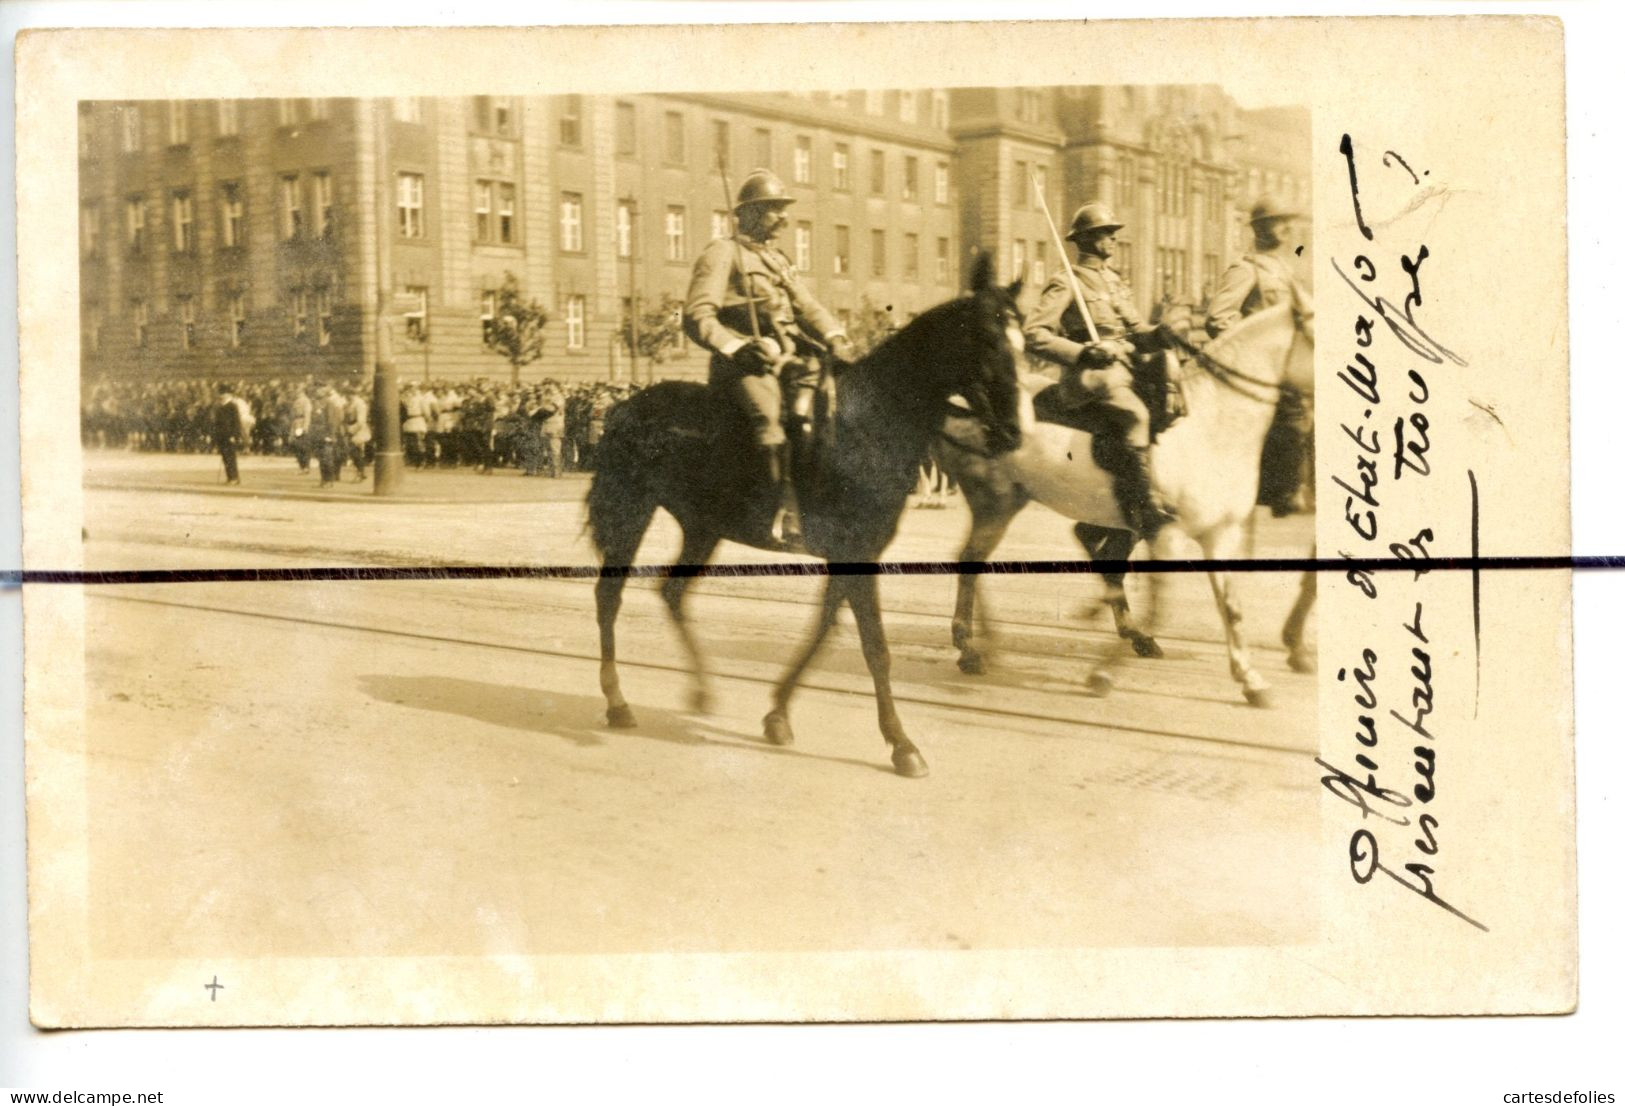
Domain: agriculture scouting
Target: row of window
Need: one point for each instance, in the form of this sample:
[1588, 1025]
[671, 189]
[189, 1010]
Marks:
[1174, 275]
[310, 316]
[1173, 181]
[178, 119]
[494, 114]
[1034, 262]
[878, 101]
[1030, 186]
[233, 220]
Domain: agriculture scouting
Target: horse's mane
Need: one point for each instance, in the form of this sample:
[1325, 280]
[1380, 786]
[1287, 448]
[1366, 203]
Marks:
[1258, 320]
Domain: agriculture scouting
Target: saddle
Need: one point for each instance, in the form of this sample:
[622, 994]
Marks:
[1162, 397]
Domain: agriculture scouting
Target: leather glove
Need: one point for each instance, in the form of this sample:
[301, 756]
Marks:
[757, 356]
[1098, 355]
[842, 348]
[1094, 355]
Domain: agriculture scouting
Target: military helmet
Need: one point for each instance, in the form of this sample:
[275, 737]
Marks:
[1268, 207]
[1093, 217]
[763, 186]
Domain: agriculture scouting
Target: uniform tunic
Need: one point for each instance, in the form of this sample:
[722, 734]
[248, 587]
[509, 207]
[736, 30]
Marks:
[718, 317]
[1055, 332]
[1257, 281]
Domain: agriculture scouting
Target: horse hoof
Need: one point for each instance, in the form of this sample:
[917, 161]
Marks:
[1099, 684]
[972, 664]
[1258, 697]
[1146, 646]
[909, 764]
[776, 728]
[699, 701]
[621, 718]
[1300, 661]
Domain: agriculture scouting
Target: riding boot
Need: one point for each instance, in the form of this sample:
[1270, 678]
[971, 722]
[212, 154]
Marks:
[1132, 485]
[788, 522]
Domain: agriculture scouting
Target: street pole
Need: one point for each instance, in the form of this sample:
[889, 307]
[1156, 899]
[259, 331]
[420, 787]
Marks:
[388, 463]
[632, 283]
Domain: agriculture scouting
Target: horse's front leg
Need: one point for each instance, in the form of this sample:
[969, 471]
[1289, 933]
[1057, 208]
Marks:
[1224, 544]
[985, 534]
[697, 549]
[776, 723]
[864, 595]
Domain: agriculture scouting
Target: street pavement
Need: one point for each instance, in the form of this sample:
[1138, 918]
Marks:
[373, 767]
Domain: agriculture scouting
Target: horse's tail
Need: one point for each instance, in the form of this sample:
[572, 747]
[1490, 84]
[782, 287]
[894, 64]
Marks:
[621, 498]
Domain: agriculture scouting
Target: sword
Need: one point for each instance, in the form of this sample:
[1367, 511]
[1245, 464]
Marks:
[1066, 265]
[739, 253]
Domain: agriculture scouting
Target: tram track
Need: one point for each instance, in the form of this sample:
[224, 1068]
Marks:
[716, 587]
[903, 693]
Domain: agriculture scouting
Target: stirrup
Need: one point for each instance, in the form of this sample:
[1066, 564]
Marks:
[785, 533]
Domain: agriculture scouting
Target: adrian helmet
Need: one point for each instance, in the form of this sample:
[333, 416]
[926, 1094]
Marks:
[1268, 207]
[1093, 217]
[763, 187]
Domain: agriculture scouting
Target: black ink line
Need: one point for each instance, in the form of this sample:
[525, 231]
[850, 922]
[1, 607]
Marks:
[1346, 148]
[1478, 643]
[1476, 564]
[1391, 154]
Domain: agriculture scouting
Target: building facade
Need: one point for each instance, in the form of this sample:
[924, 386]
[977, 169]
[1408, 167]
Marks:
[1181, 165]
[312, 237]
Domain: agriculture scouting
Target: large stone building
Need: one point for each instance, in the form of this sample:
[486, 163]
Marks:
[238, 238]
[1180, 165]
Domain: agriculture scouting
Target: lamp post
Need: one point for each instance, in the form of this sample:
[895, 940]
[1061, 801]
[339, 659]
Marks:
[388, 462]
[632, 285]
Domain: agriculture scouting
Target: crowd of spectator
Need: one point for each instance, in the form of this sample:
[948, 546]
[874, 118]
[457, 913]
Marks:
[480, 424]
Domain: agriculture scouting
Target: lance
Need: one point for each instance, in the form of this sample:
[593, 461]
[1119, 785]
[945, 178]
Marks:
[1066, 265]
[739, 252]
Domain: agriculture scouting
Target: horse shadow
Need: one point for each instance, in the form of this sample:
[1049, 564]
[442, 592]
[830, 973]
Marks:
[577, 719]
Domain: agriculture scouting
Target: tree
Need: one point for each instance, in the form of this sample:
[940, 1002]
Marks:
[870, 325]
[659, 328]
[516, 330]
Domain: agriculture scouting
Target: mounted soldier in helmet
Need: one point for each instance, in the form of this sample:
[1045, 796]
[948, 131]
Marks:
[749, 307]
[1097, 378]
[1261, 279]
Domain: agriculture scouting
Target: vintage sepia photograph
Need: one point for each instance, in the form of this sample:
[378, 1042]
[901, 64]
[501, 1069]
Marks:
[921, 325]
[842, 546]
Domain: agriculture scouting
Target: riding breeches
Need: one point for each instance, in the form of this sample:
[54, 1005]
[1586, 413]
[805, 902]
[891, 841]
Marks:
[760, 396]
[1117, 406]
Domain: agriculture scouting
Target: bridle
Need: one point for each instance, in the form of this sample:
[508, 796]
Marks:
[1232, 377]
[966, 409]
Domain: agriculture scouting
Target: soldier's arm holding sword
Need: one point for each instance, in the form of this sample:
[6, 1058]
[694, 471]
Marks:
[707, 295]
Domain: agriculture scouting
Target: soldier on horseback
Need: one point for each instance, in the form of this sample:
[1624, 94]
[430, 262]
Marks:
[749, 307]
[1096, 371]
[1258, 280]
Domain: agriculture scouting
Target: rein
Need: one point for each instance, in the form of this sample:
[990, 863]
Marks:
[1229, 375]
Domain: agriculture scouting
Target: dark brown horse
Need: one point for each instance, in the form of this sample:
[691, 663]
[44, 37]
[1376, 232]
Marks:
[683, 448]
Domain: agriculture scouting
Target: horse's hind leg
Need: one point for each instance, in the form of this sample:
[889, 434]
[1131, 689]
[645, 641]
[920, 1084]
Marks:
[1108, 544]
[776, 723]
[864, 594]
[1299, 656]
[697, 550]
[608, 594]
[987, 529]
[618, 553]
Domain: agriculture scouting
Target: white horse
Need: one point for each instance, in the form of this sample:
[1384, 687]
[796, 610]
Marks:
[1204, 469]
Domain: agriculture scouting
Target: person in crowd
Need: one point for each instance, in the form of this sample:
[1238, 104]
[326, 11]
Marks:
[299, 411]
[227, 430]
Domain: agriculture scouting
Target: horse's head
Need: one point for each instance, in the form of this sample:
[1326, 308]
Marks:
[983, 358]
